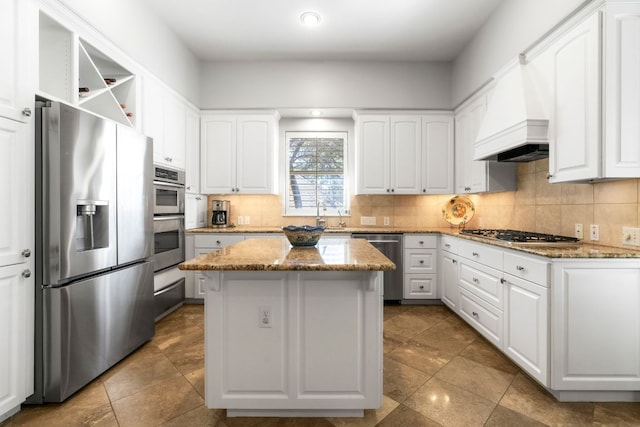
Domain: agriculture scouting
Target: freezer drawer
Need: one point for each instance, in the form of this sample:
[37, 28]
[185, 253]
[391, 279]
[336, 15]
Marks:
[92, 324]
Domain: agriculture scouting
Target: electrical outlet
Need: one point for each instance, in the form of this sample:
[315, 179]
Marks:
[595, 232]
[264, 319]
[367, 220]
[247, 220]
[239, 220]
[579, 233]
[631, 236]
[386, 220]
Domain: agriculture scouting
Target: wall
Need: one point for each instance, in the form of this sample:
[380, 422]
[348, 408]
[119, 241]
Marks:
[133, 27]
[293, 84]
[512, 27]
[535, 206]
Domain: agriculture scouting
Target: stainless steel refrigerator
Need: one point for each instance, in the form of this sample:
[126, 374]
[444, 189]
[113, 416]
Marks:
[94, 231]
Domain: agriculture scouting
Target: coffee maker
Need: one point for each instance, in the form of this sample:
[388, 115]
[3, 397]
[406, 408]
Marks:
[220, 210]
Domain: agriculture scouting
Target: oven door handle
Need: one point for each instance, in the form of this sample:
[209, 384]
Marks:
[168, 217]
[167, 184]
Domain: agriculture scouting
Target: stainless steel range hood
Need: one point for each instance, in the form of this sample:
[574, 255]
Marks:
[514, 128]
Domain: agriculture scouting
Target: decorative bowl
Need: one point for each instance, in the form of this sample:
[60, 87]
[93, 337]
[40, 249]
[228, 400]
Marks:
[305, 235]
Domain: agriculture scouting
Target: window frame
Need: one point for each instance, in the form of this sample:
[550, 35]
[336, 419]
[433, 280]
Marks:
[286, 191]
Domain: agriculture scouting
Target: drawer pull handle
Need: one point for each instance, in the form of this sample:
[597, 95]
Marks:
[421, 261]
[474, 314]
[446, 245]
[218, 242]
[421, 286]
[26, 273]
[475, 254]
[503, 280]
[475, 280]
[454, 261]
[421, 242]
[519, 268]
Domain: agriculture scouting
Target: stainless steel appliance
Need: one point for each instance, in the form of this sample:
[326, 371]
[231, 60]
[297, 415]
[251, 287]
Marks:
[168, 239]
[220, 210]
[391, 246]
[94, 299]
[521, 237]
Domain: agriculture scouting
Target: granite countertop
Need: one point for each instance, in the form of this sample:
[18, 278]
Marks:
[279, 255]
[581, 250]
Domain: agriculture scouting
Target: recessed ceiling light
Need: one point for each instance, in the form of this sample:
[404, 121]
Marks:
[316, 113]
[310, 19]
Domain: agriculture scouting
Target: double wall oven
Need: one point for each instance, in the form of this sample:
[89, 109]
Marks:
[168, 238]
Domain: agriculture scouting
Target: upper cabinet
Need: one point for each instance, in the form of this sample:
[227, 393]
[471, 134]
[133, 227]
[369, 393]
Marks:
[165, 120]
[477, 176]
[74, 71]
[588, 73]
[404, 154]
[17, 42]
[192, 161]
[238, 153]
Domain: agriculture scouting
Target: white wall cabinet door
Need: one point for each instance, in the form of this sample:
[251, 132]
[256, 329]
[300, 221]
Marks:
[255, 154]
[437, 154]
[526, 338]
[18, 43]
[374, 154]
[175, 130]
[573, 65]
[192, 151]
[406, 154]
[153, 116]
[469, 174]
[595, 325]
[218, 154]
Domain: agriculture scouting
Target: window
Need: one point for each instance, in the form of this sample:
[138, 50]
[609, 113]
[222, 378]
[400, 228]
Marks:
[316, 173]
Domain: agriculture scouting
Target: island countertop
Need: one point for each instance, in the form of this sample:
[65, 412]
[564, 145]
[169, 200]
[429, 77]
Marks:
[278, 255]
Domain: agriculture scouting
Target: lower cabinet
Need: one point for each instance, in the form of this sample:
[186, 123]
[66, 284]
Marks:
[420, 259]
[485, 318]
[595, 327]
[449, 272]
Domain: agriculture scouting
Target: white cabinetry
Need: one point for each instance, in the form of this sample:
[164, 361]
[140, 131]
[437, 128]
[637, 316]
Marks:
[17, 45]
[238, 153]
[165, 121]
[595, 326]
[589, 75]
[477, 176]
[404, 154]
[197, 244]
[195, 211]
[449, 271]
[192, 161]
[420, 266]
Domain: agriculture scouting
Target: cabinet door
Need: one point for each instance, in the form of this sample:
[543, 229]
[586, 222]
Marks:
[406, 154]
[153, 117]
[437, 154]
[255, 155]
[16, 173]
[575, 122]
[526, 338]
[372, 145]
[18, 35]
[191, 211]
[17, 338]
[595, 325]
[621, 101]
[218, 154]
[192, 161]
[470, 175]
[449, 274]
[174, 114]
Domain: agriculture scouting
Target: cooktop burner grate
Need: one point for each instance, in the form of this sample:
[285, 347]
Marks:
[520, 236]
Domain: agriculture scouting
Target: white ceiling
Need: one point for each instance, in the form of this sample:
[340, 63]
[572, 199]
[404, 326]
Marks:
[382, 30]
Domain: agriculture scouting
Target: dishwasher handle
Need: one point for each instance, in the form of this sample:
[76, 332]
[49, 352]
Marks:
[383, 241]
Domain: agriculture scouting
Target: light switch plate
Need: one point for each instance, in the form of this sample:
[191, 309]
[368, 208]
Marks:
[595, 232]
[579, 233]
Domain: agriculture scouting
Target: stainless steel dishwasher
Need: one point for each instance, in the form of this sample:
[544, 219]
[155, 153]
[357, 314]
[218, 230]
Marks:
[391, 246]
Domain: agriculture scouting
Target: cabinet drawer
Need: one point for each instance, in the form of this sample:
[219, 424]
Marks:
[449, 244]
[420, 286]
[528, 268]
[420, 260]
[215, 240]
[418, 241]
[483, 281]
[484, 254]
[486, 319]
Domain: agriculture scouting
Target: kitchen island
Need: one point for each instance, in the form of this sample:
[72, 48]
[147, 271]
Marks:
[293, 331]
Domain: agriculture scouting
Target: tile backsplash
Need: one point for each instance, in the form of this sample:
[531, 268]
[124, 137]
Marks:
[535, 206]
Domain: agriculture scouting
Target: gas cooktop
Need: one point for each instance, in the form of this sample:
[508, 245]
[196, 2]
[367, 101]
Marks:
[521, 237]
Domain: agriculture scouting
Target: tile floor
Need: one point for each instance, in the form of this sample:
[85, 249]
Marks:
[437, 371]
